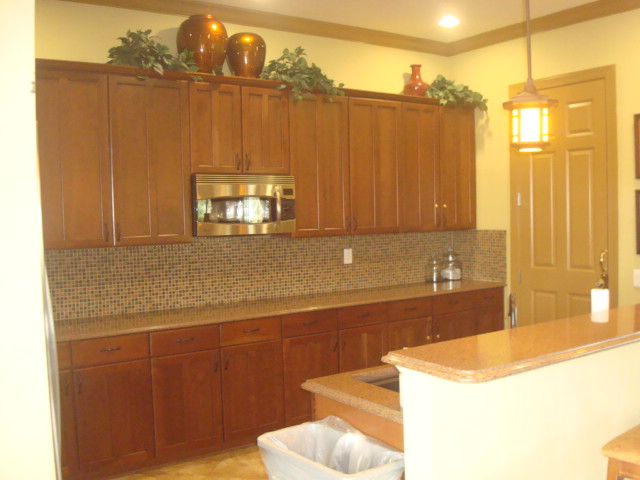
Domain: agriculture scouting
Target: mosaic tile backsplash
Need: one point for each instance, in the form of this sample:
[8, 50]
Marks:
[109, 281]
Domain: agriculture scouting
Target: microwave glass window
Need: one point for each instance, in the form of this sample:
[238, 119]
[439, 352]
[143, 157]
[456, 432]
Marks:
[236, 210]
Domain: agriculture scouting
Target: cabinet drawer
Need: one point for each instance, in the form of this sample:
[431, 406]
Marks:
[100, 351]
[492, 297]
[362, 315]
[184, 340]
[64, 355]
[249, 331]
[407, 309]
[309, 322]
[454, 302]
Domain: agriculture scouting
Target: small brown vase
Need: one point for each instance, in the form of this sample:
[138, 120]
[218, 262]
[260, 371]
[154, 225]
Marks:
[246, 53]
[415, 86]
[206, 38]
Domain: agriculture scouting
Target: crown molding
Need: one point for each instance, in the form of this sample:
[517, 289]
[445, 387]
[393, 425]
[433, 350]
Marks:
[275, 21]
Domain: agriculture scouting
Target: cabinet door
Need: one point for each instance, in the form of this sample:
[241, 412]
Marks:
[187, 402]
[252, 390]
[114, 417]
[265, 131]
[150, 156]
[216, 128]
[409, 333]
[362, 347]
[320, 165]
[306, 357]
[374, 150]
[489, 319]
[73, 149]
[68, 442]
[453, 325]
[457, 169]
[419, 167]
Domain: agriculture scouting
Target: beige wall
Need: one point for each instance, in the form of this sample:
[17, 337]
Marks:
[83, 32]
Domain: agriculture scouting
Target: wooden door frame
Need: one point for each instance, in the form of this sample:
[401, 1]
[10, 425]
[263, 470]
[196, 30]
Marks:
[608, 74]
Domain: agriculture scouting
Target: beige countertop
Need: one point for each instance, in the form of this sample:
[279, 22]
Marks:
[79, 329]
[352, 389]
[498, 354]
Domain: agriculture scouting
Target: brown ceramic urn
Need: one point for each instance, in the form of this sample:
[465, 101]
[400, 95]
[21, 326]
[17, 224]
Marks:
[206, 37]
[246, 53]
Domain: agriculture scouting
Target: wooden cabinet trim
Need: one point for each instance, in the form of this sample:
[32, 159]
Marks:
[250, 331]
[306, 323]
[361, 315]
[106, 350]
[407, 309]
[184, 340]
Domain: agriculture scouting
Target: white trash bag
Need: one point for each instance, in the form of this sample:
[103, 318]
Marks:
[326, 450]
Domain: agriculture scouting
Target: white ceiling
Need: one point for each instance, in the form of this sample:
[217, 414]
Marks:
[415, 18]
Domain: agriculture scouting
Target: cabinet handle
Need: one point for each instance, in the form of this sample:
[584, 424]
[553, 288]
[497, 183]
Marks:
[185, 340]
[118, 231]
[344, 344]
[252, 330]
[335, 347]
[410, 309]
[106, 233]
[489, 297]
[309, 323]
[79, 387]
[247, 161]
[348, 224]
[355, 223]
[110, 349]
[444, 215]
[67, 388]
[238, 163]
[215, 369]
[453, 302]
[363, 315]
[226, 364]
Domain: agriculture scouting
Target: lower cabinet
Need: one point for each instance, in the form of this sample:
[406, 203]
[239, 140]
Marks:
[252, 390]
[114, 418]
[362, 347]
[409, 333]
[187, 403]
[68, 443]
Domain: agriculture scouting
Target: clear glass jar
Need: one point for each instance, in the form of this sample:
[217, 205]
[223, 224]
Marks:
[434, 267]
[451, 266]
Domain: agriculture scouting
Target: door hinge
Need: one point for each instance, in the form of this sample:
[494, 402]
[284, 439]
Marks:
[518, 199]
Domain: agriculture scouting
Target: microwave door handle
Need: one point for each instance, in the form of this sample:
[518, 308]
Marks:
[278, 206]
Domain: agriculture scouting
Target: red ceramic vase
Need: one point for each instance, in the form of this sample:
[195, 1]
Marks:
[415, 86]
[246, 53]
[206, 38]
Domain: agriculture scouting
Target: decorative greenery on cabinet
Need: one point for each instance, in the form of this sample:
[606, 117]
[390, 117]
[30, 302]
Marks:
[455, 94]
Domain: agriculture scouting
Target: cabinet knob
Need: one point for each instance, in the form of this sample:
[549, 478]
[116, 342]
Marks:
[238, 162]
[247, 161]
[106, 233]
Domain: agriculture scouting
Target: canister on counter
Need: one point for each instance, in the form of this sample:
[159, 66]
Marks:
[434, 268]
[451, 266]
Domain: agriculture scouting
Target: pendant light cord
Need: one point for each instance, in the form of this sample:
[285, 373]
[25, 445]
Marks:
[529, 77]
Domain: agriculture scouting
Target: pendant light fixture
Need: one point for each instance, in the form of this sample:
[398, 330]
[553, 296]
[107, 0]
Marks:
[529, 110]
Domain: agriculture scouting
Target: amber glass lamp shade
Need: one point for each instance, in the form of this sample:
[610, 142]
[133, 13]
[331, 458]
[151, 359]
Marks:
[529, 119]
[245, 54]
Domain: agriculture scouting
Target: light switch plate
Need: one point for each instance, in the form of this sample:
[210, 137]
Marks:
[636, 278]
[347, 256]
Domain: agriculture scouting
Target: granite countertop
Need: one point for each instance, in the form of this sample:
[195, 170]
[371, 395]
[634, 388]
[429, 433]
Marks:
[351, 389]
[79, 329]
[483, 358]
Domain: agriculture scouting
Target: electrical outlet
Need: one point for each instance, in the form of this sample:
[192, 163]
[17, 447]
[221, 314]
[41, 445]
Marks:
[636, 278]
[347, 256]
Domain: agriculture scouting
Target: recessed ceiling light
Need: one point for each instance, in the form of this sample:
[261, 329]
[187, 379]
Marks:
[449, 21]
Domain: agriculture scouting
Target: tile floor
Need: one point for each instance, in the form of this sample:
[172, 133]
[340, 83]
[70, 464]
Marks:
[240, 464]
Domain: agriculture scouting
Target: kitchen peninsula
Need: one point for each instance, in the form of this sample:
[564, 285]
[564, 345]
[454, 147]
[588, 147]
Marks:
[529, 403]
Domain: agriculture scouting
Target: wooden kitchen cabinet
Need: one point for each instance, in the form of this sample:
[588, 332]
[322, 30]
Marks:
[238, 129]
[73, 148]
[409, 323]
[420, 167]
[310, 352]
[187, 396]
[114, 417]
[150, 157]
[457, 185]
[320, 164]
[374, 152]
[362, 347]
[252, 390]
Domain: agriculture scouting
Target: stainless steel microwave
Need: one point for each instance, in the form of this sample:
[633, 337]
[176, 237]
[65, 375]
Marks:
[243, 204]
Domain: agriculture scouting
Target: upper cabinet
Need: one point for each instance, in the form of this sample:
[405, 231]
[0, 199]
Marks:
[150, 159]
[374, 155]
[239, 129]
[114, 159]
[72, 112]
[320, 164]
[457, 183]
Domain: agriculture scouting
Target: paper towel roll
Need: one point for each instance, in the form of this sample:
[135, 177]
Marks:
[599, 299]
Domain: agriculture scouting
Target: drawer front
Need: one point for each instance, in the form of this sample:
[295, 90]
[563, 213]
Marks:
[185, 340]
[309, 322]
[454, 302]
[407, 309]
[249, 331]
[361, 315]
[64, 355]
[100, 351]
[492, 297]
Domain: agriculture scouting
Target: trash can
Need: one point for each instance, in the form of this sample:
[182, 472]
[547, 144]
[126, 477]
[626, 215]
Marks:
[328, 449]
